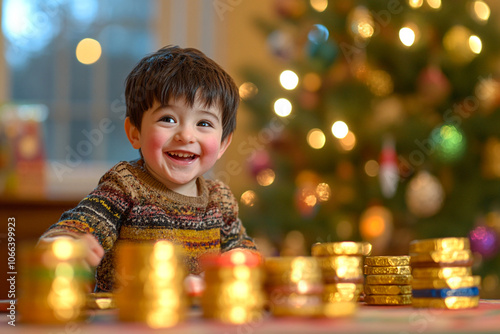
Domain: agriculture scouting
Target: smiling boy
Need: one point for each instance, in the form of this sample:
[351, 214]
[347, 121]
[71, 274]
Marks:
[181, 114]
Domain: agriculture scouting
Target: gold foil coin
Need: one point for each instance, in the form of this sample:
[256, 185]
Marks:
[387, 261]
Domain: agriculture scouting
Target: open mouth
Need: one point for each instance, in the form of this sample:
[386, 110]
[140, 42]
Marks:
[183, 156]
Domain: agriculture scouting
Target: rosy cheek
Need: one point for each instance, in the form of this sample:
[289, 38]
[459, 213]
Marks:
[212, 146]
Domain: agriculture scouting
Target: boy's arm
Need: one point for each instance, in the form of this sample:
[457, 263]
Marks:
[98, 214]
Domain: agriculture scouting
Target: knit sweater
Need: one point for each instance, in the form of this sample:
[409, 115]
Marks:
[131, 205]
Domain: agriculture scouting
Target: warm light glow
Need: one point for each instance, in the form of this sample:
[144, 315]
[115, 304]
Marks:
[282, 107]
[248, 90]
[316, 138]
[371, 168]
[407, 36]
[238, 257]
[88, 51]
[348, 142]
[63, 248]
[249, 198]
[340, 129]
[319, 5]
[289, 80]
[311, 82]
[481, 10]
[309, 197]
[434, 4]
[266, 177]
[415, 3]
[323, 192]
[374, 222]
[475, 44]
[163, 250]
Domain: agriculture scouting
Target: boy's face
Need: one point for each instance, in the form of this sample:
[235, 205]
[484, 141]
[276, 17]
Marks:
[179, 143]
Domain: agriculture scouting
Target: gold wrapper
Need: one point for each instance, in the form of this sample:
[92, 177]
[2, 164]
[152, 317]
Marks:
[388, 289]
[456, 282]
[254, 274]
[301, 287]
[442, 273]
[387, 261]
[388, 279]
[344, 273]
[341, 248]
[101, 301]
[453, 256]
[443, 244]
[388, 299]
[342, 292]
[293, 277]
[278, 265]
[339, 309]
[452, 303]
[340, 261]
[211, 299]
[400, 270]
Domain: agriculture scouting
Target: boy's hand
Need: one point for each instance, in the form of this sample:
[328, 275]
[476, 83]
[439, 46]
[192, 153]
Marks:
[95, 252]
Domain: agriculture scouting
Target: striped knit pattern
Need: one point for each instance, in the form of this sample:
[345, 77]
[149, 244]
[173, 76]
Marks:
[130, 205]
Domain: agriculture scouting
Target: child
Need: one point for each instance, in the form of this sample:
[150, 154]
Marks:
[181, 114]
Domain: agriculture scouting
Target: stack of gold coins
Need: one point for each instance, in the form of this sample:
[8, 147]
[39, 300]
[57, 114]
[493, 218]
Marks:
[388, 280]
[53, 282]
[342, 268]
[233, 287]
[294, 286]
[151, 290]
[442, 274]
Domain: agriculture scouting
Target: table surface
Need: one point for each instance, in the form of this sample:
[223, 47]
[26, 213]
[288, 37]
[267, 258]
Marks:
[368, 319]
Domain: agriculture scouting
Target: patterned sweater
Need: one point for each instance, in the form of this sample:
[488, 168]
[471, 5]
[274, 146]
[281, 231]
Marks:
[130, 205]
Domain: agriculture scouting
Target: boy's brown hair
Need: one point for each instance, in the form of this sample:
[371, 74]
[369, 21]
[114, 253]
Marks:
[174, 72]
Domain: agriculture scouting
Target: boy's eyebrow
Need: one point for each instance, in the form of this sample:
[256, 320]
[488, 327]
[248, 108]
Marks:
[160, 107]
[210, 113]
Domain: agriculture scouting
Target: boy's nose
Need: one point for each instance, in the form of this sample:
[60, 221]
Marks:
[184, 135]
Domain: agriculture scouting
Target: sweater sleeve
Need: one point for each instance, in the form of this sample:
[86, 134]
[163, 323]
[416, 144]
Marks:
[233, 233]
[100, 213]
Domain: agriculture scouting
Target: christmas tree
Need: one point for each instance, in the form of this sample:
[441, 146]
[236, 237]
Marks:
[383, 126]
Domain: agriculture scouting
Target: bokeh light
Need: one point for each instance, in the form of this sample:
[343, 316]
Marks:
[266, 177]
[282, 107]
[475, 44]
[374, 222]
[480, 11]
[248, 90]
[289, 80]
[434, 4]
[348, 142]
[319, 5]
[372, 168]
[323, 192]
[248, 198]
[407, 36]
[415, 3]
[88, 51]
[311, 82]
[318, 34]
[340, 129]
[316, 138]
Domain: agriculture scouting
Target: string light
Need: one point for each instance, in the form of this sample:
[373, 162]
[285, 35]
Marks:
[248, 90]
[480, 11]
[475, 44]
[316, 138]
[407, 36]
[340, 129]
[434, 4]
[266, 177]
[88, 51]
[319, 5]
[311, 82]
[348, 142]
[282, 107]
[415, 3]
[289, 80]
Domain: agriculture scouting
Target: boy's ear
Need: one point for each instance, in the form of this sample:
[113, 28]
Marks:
[133, 134]
[225, 144]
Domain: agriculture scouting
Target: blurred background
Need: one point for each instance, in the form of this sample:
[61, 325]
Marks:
[360, 120]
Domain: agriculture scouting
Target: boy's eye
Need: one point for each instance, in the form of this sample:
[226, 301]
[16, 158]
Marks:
[204, 123]
[167, 119]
